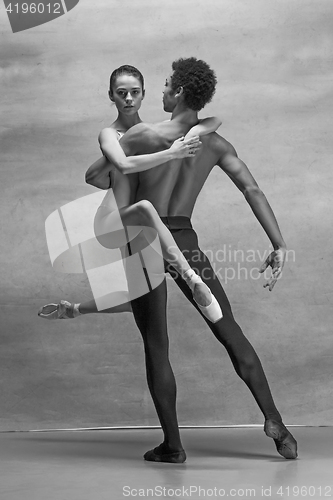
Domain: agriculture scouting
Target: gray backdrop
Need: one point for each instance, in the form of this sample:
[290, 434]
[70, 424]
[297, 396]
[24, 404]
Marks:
[274, 66]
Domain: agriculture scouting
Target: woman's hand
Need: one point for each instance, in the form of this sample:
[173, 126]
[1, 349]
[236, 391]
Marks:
[183, 148]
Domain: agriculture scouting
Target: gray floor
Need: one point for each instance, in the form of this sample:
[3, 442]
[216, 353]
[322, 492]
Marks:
[108, 464]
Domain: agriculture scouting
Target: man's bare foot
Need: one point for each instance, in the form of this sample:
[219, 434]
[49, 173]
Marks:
[163, 454]
[285, 443]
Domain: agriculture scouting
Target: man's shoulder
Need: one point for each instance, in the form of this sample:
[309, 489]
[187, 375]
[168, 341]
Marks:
[218, 144]
[141, 131]
[140, 128]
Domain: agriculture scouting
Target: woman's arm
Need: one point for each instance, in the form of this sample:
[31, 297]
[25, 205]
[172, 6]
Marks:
[204, 127]
[99, 174]
[130, 164]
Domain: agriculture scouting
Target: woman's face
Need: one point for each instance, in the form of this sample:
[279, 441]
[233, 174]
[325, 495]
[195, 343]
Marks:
[127, 94]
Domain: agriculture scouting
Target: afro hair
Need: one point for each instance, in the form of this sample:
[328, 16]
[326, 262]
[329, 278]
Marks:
[197, 79]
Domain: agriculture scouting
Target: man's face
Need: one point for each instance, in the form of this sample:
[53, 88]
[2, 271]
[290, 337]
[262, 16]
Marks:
[169, 101]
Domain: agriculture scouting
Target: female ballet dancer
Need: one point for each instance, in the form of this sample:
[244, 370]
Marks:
[127, 92]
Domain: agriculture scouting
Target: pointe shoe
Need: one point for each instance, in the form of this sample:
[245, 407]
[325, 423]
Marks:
[285, 443]
[178, 457]
[63, 310]
[213, 311]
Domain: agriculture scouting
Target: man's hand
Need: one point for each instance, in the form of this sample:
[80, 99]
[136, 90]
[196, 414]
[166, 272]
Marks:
[183, 148]
[276, 260]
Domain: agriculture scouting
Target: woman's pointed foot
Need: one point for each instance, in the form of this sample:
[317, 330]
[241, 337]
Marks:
[62, 310]
[203, 297]
[213, 311]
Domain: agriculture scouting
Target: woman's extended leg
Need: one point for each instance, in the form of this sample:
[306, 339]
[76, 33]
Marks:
[105, 217]
[68, 310]
[142, 213]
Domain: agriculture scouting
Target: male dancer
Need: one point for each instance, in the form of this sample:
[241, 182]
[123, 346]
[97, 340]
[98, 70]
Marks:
[173, 192]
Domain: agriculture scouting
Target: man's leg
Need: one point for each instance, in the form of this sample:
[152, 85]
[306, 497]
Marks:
[227, 331]
[150, 316]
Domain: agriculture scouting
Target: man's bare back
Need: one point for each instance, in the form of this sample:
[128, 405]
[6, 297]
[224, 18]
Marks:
[174, 186]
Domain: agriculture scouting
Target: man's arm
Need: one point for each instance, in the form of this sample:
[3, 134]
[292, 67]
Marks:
[238, 172]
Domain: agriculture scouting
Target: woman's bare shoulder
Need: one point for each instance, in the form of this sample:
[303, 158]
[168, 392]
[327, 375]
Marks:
[110, 132]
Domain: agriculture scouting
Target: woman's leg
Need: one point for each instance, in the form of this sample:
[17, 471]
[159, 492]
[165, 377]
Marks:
[105, 219]
[143, 213]
[70, 310]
